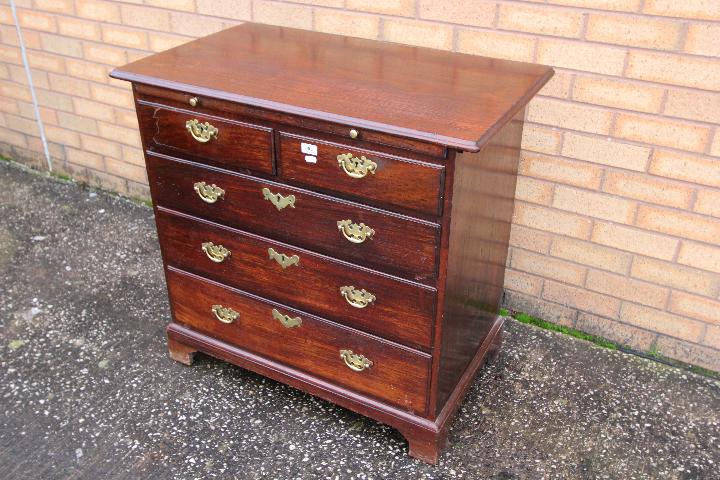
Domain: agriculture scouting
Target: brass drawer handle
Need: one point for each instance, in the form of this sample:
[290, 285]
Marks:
[353, 232]
[202, 132]
[356, 167]
[355, 361]
[357, 298]
[284, 260]
[216, 253]
[278, 200]
[209, 193]
[286, 320]
[225, 314]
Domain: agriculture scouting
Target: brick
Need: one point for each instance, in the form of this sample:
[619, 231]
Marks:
[618, 94]
[551, 220]
[522, 282]
[98, 10]
[560, 170]
[537, 138]
[235, 9]
[11, 137]
[37, 20]
[74, 27]
[700, 256]
[712, 336]
[534, 191]
[422, 34]
[125, 37]
[77, 123]
[69, 85]
[715, 147]
[594, 204]
[694, 105]
[87, 70]
[286, 15]
[194, 25]
[13, 90]
[648, 188]
[127, 118]
[674, 70]
[494, 44]
[615, 331]
[145, 17]
[708, 202]
[634, 240]
[547, 267]
[478, 14]
[681, 224]
[116, 133]
[559, 85]
[133, 155]
[617, 5]
[691, 168]
[125, 170]
[101, 146]
[46, 61]
[591, 254]
[112, 96]
[660, 131]
[85, 159]
[66, 7]
[694, 306]
[93, 109]
[633, 31]
[581, 56]
[699, 9]
[28, 126]
[54, 100]
[70, 47]
[10, 55]
[627, 288]
[159, 42]
[540, 19]
[405, 8]
[185, 5]
[662, 322]
[676, 276]
[62, 136]
[702, 39]
[529, 239]
[689, 352]
[347, 23]
[550, 311]
[574, 116]
[578, 297]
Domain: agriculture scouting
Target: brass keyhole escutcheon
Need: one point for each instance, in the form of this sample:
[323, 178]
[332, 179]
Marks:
[202, 132]
[284, 260]
[355, 361]
[286, 320]
[278, 200]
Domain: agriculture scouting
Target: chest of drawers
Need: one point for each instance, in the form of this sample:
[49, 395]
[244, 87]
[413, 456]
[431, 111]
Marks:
[334, 213]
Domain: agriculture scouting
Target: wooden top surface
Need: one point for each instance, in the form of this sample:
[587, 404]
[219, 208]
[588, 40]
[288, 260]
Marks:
[442, 97]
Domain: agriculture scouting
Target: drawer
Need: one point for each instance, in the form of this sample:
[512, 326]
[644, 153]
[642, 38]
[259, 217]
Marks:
[399, 245]
[398, 310]
[364, 175]
[213, 140]
[398, 375]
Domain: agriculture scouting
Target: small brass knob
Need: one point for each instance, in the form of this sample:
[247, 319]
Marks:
[194, 101]
[353, 133]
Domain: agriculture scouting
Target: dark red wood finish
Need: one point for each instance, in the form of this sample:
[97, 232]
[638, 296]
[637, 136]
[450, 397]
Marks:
[238, 146]
[398, 375]
[402, 311]
[396, 181]
[401, 245]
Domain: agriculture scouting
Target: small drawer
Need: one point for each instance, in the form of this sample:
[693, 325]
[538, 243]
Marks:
[372, 238]
[213, 140]
[380, 304]
[364, 175]
[342, 355]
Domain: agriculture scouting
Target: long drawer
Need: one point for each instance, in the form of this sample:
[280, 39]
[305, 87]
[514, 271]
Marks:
[342, 355]
[387, 306]
[372, 238]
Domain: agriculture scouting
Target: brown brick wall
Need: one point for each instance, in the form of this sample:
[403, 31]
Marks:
[617, 228]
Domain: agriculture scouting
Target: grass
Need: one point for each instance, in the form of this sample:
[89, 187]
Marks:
[653, 353]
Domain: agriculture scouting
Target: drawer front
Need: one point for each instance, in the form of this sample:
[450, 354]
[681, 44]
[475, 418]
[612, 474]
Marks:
[400, 245]
[217, 141]
[398, 375]
[397, 310]
[364, 175]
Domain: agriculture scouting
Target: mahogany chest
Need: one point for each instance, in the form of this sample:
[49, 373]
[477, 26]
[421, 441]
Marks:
[334, 213]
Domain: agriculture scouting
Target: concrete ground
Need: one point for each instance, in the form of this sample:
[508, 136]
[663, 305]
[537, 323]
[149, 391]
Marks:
[87, 390]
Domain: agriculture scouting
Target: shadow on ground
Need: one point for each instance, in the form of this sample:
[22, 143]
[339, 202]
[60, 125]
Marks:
[87, 390]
